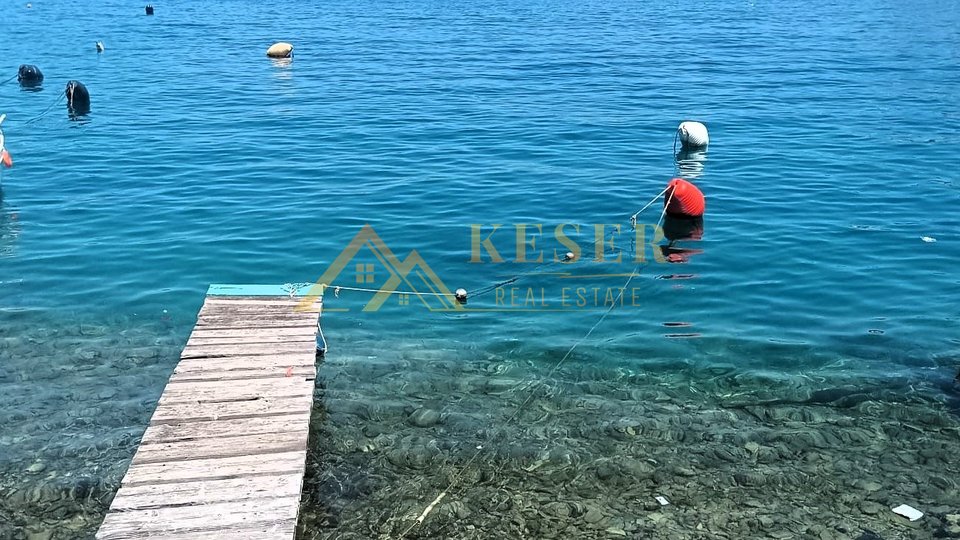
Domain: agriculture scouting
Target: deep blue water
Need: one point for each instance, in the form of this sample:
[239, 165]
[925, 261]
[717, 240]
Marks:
[833, 151]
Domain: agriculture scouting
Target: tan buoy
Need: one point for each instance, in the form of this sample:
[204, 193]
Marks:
[280, 50]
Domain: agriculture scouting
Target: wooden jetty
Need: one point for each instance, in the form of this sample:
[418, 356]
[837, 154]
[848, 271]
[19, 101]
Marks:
[224, 454]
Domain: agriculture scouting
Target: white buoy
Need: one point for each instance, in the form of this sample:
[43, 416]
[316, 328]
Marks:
[461, 296]
[99, 46]
[280, 50]
[693, 135]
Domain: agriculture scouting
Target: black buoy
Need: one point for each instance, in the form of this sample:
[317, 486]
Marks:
[29, 75]
[149, 9]
[78, 99]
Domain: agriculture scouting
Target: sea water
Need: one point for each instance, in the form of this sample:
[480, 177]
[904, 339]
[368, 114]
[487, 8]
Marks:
[791, 375]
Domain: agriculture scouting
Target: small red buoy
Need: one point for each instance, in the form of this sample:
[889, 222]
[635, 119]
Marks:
[683, 199]
[5, 158]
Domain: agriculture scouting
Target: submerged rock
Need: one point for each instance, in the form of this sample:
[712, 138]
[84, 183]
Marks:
[424, 417]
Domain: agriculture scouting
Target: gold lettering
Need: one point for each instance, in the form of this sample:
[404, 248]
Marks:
[600, 237]
[522, 242]
[486, 243]
[654, 247]
[566, 242]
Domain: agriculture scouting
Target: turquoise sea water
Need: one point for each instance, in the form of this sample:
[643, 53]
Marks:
[834, 136]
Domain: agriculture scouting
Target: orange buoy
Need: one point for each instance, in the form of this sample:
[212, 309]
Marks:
[5, 158]
[683, 199]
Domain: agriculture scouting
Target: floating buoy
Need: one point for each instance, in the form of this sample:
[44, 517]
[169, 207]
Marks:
[29, 75]
[693, 135]
[280, 50]
[99, 46]
[149, 9]
[4, 155]
[683, 199]
[461, 296]
[78, 99]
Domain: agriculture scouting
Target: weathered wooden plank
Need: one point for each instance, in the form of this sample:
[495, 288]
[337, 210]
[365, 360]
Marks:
[189, 365]
[241, 339]
[210, 351]
[244, 374]
[170, 432]
[152, 496]
[293, 306]
[269, 530]
[193, 470]
[305, 331]
[206, 517]
[194, 412]
[224, 446]
[237, 308]
[218, 391]
[255, 320]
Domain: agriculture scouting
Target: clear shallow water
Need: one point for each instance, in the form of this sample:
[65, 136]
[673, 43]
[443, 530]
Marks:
[833, 132]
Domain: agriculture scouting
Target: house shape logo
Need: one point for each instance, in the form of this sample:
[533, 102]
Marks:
[408, 273]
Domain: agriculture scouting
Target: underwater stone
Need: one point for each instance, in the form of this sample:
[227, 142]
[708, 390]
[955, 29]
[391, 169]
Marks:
[593, 515]
[870, 508]
[424, 417]
[37, 467]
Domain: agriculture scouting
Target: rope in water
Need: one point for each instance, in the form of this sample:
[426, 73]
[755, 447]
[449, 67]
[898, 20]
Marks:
[8, 80]
[517, 277]
[45, 111]
[338, 288]
[456, 478]
[487, 288]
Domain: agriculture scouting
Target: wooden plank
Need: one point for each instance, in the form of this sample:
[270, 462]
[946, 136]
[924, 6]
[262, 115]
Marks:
[202, 518]
[253, 305]
[270, 530]
[215, 469]
[239, 305]
[210, 351]
[306, 331]
[218, 391]
[150, 496]
[306, 372]
[259, 320]
[245, 362]
[225, 427]
[232, 446]
[241, 339]
[193, 412]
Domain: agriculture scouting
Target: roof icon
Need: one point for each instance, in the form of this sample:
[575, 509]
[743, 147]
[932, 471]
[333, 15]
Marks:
[408, 273]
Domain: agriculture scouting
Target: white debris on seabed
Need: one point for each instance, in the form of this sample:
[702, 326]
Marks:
[908, 512]
[928, 239]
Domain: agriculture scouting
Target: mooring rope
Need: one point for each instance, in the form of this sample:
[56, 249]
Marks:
[8, 80]
[338, 288]
[535, 383]
[45, 111]
[592, 246]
